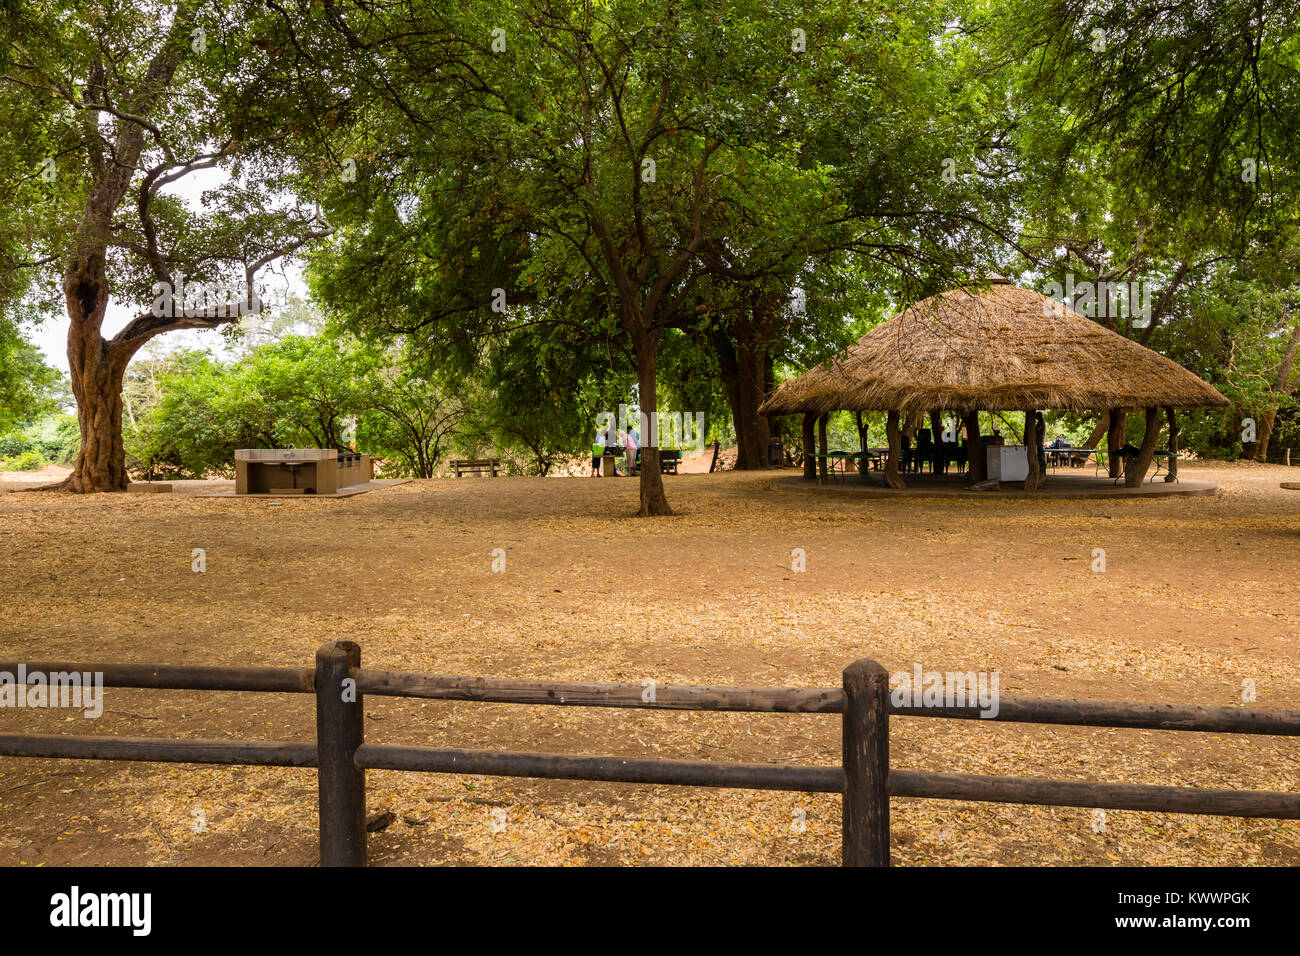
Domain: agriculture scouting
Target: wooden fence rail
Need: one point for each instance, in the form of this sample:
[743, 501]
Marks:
[341, 755]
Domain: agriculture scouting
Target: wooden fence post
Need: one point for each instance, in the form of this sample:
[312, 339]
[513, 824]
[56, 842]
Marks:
[340, 728]
[866, 765]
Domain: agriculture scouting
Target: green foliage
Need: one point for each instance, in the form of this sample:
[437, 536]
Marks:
[626, 171]
[538, 397]
[27, 383]
[196, 425]
[55, 438]
[1176, 100]
[408, 420]
[641, 179]
[26, 461]
[299, 391]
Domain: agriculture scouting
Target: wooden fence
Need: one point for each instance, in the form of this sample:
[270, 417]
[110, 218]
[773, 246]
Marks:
[342, 756]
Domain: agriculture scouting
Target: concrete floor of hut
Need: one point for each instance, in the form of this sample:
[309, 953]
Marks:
[1061, 483]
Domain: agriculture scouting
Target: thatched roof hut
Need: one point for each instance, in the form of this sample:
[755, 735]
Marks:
[994, 348]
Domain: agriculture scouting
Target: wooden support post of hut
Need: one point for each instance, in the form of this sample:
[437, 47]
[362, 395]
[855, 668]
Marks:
[1172, 473]
[979, 462]
[892, 477]
[1033, 442]
[809, 446]
[821, 444]
[936, 442]
[1116, 438]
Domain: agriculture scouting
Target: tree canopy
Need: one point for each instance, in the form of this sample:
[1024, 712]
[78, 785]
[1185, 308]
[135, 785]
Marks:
[518, 215]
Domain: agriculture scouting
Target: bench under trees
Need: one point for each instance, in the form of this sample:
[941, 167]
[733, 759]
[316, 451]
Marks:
[476, 466]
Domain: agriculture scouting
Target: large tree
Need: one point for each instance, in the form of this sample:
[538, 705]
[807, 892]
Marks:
[600, 165]
[124, 103]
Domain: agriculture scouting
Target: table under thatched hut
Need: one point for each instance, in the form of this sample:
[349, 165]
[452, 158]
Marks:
[995, 348]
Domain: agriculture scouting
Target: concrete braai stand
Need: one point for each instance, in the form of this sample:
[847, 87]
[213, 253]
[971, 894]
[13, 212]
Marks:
[299, 471]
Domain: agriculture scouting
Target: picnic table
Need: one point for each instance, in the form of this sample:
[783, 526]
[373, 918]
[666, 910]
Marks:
[1058, 455]
[844, 457]
[1161, 456]
[1100, 456]
[1165, 459]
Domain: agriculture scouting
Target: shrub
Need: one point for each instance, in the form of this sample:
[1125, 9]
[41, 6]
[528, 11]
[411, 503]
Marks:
[14, 444]
[57, 437]
[26, 461]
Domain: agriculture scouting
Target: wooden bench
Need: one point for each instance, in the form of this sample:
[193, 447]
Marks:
[476, 466]
[669, 458]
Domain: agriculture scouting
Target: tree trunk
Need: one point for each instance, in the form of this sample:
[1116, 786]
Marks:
[747, 372]
[1116, 438]
[769, 386]
[937, 465]
[912, 423]
[1283, 383]
[979, 461]
[1172, 474]
[1266, 422]
[653, 499]
[752, 429]
[892, 477]
[809, 446]
[96, 369]
[1032, 440]
[1103, 423]
[821, 444]
[863, 463]
[1138, 470]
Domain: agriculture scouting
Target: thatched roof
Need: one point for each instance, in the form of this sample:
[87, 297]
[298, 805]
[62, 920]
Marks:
[992, 348]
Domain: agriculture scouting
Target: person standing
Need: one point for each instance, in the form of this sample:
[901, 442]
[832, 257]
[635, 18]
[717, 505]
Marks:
[598, 452]
[630, 447]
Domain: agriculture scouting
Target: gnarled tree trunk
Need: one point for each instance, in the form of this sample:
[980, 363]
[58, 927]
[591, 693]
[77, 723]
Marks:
[1116, 438]
[1266, 423]
[1134, 474]
[892, 477]
[747, 374]
[96, 368]
[753, 431]
[1103, 424]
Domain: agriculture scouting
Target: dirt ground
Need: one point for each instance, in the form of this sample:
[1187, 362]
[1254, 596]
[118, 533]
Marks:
[1197, 596]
